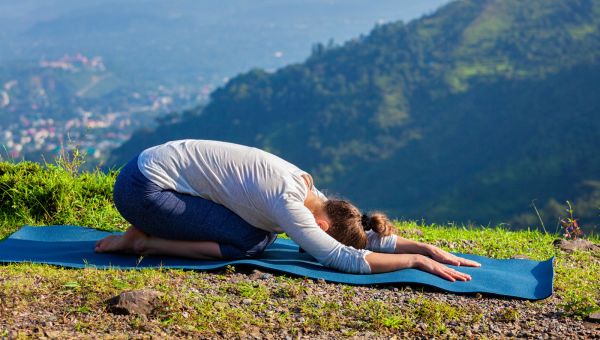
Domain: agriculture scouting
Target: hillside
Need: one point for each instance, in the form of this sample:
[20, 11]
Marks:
[467, 115]
[87, 74]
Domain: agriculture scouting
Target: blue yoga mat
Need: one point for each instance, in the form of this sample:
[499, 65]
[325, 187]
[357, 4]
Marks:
[73, 246]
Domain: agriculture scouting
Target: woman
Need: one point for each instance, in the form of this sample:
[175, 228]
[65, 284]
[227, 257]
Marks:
[211, 200]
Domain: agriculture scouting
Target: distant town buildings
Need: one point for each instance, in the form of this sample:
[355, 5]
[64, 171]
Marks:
[40, 127]
[75, 63]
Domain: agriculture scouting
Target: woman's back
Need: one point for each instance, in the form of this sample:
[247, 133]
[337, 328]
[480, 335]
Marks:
[246, 180]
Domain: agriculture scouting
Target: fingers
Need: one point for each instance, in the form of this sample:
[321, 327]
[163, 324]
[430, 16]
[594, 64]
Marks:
[447, 273]
[97, 245]
[454, 262]
[454, 275]
[460, 275]
[468, 263]
[448, 258]
[459, 261]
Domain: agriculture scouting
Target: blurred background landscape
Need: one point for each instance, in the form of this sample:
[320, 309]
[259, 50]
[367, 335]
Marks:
[468, 112]
[88, 74]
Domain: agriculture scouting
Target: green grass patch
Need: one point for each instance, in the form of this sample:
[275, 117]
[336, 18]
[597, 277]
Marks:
[56, 194]
[208, 304]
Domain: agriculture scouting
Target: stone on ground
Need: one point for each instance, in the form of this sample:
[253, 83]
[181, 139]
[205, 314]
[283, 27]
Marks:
[140, 302]
[577, 244]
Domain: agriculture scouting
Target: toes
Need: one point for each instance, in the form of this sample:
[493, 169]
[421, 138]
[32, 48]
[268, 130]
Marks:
[103, 244]
[99, 245]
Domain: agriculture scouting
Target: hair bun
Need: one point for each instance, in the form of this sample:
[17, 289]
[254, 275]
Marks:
[380, 224]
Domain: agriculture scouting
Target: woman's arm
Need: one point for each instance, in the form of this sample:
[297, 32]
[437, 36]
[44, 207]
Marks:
[404, 246]
[381, 263]
[300, 225]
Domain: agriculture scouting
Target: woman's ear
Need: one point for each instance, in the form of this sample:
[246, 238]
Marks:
[324, 224]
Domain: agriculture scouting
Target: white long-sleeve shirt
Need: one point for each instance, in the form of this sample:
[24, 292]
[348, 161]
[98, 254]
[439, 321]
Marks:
[263, 189]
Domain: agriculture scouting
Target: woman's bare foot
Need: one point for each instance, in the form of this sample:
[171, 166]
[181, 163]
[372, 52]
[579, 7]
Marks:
[132, 241]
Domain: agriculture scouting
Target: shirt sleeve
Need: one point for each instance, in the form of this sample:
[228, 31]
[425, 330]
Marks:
[319, 194]
[300, 225]
[381, 244]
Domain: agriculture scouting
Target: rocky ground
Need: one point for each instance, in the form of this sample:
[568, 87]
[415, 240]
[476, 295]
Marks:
[41, 301]
[286, 308]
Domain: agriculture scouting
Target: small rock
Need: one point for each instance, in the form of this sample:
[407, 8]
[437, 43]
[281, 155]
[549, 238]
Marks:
[255, 275]
[577, 244]
[266, 276]
[521, 257]
[134, 302]
[247, 301]
[321, 281]
[591, 325]
[411, 231]
[594, 317]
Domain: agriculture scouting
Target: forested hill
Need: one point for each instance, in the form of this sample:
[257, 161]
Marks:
[468, 114]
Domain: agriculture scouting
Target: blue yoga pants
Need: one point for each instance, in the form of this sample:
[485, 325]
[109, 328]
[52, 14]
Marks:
[176, 216]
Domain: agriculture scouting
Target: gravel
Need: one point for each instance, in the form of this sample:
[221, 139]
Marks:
[499, 317]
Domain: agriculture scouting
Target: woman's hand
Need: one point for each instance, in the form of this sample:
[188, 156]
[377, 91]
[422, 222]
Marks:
[382, 263]
[445, 257]
[432, 266]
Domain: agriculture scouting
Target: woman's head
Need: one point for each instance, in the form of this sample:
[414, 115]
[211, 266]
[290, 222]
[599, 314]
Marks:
[349, 226]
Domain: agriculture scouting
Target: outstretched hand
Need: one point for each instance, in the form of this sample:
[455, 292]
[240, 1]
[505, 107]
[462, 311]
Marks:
[412, 254]
[435, 264]
[447, 258]
[432, 266]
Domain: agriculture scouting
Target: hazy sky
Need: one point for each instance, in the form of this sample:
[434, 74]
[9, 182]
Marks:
[178, 38]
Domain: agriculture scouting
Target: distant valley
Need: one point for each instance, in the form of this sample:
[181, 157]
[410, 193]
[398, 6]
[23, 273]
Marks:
[151, 59]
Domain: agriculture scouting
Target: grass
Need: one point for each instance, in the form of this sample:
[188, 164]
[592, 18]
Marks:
[207, 304]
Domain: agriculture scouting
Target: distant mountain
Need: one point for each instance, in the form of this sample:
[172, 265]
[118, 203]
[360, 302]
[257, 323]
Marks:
[156, 57]
[179, 42]
[469, 114]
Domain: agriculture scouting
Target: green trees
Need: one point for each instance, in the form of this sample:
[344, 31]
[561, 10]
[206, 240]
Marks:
[466, 115]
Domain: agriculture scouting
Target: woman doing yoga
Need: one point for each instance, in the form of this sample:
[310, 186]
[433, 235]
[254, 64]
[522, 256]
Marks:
[215, 200]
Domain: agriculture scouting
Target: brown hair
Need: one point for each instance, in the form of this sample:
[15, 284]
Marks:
[349, 226]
